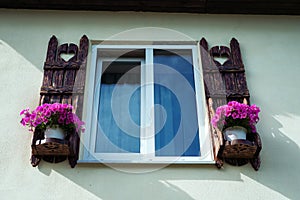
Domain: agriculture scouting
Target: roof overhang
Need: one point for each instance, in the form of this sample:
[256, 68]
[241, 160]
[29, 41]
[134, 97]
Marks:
[265, 7]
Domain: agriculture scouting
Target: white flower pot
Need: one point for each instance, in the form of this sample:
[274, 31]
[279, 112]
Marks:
[57, 133]
[235, 133]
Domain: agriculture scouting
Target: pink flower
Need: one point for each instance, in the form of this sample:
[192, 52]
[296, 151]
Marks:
[24, 111]
[235, 113]
[33, 116]
[230, 104]
[52, 114]
[243, 115]
[23, 122]
[39, 109]
[61, 121]
[48, 113]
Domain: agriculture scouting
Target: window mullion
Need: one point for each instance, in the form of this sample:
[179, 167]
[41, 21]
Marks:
[147, 105]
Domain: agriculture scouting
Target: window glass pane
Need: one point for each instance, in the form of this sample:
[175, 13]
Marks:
[119, 108]
[176, 124]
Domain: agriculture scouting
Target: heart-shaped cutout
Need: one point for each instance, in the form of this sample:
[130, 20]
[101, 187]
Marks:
[67, 56]
[221, 60]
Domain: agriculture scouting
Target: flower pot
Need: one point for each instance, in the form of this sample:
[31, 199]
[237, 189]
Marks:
[235, 133]
[52, 148]
[56, 133]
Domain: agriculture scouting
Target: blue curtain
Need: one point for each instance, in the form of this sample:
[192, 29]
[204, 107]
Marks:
[176, 124]
[110, 137]
[179, 134]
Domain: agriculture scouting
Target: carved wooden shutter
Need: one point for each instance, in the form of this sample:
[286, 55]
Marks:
[225, 82]
[64, 82]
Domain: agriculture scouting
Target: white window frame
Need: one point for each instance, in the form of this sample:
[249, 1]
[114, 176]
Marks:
[147, 147]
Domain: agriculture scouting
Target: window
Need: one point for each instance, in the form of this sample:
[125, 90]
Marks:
[146, 104]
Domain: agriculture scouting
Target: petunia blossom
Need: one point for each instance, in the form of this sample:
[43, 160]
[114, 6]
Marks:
[48, 115]
[235, 113]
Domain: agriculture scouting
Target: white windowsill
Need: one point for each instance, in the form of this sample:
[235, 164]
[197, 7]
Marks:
[143, 162]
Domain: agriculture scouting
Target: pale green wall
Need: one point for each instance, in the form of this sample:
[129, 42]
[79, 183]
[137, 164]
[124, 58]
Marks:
[270, 51]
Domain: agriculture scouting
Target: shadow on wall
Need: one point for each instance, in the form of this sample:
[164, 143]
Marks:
[277, 178]
[280, 155]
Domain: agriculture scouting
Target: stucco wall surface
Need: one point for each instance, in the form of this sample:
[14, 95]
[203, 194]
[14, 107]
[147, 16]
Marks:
[270, 51]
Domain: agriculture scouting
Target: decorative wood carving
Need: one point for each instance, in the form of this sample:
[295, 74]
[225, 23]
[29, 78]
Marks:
[63, 83]
[225, 82]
